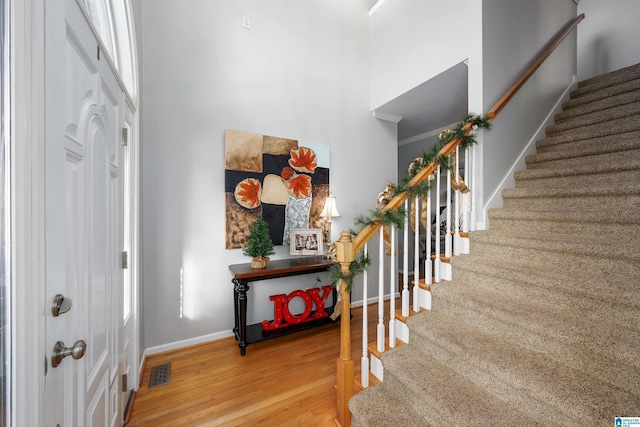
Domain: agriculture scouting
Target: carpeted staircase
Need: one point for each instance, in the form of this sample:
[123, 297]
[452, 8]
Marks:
[541, 323]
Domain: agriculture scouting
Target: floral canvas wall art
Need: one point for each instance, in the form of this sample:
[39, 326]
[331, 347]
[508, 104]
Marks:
[284, 181]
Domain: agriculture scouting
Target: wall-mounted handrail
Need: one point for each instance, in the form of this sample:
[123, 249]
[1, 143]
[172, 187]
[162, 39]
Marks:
[348, 247]
[493, 112]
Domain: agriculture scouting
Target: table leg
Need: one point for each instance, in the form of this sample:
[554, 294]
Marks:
[240, 295]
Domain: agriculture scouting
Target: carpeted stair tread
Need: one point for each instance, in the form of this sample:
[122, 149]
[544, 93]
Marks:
[607, 92]
[624, 195]
[533, 382]
[599, 105]
[533, 316]
[612, 78]
[378, 406]
[584, 164]
[590, 222]
[593, 215]
[618, 126]
[598, 298]
[445, 396]
[539, 325]
[576, 285]
[604, 246]
[630, 139]
[595, 117]
[616, 144]
[627, 164]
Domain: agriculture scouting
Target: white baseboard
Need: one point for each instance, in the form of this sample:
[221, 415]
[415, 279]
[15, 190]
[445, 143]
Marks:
[188, 342]
[495, 200]
[373, 300]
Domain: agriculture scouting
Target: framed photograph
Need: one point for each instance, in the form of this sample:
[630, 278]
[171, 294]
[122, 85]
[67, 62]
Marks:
[306, 241]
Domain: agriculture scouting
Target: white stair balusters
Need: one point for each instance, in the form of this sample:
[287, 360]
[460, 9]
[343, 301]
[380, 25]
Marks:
[416, 255]
[380, 330]
[405, 287]
[456, 209]
[436, 261]
[447, 235]
[405, 265]
[364, 360]
[472, 184]
[428, 265]
[392, 288]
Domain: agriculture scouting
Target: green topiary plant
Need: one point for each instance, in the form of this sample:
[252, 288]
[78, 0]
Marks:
[259, 244]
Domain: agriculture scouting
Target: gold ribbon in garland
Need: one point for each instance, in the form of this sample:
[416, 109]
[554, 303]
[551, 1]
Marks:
[383, 199]
[457, 184]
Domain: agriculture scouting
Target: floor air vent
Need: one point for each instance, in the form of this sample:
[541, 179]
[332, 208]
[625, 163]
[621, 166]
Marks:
[160, 374]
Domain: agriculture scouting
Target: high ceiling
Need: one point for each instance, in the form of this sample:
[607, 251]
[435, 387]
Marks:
[434, 104]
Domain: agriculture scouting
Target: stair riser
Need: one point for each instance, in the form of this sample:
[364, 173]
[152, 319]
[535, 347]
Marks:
[419, 402]
[428, 388]
[604, 367]
[599, 105]
[618, 291]
[597, 117]
[594, 305]
[628, 86]
[599, 179]
[562, 228]
[495, 381]
[606, 144]
[586, 163]
[550, 259]
[621, 202]
[607, 80]
[620, 126]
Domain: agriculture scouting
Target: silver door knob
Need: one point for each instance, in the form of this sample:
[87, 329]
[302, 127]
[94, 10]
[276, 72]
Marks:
[60, 352]
[60, 305]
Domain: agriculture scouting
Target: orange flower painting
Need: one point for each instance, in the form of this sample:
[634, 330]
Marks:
[303, 160]
[287, 173]
[248, 193]
[281, 180]
[300, 186]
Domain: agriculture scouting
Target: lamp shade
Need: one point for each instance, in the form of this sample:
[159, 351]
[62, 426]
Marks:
[330, 210]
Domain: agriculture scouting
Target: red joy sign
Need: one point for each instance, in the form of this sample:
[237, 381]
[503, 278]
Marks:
[282, 315]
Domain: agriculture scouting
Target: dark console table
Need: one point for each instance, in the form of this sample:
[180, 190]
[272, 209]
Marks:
[243, 274]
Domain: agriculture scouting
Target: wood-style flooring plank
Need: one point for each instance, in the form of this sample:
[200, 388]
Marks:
[286, 381]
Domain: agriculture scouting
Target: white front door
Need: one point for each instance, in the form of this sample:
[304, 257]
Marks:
[83, 221]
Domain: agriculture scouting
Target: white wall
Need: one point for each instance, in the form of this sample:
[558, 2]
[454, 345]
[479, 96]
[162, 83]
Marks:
[414, 41]
[301, 72]
[514, 33]
[608, 37]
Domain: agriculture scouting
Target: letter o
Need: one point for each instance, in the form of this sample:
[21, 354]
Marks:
[308, 306]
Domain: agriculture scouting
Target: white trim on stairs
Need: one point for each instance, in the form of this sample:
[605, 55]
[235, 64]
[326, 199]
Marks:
[508, 181]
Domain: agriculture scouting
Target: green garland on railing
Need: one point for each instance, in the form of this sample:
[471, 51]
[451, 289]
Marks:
[396, 217]
[383, 217]
[358, 266]
[425, 160]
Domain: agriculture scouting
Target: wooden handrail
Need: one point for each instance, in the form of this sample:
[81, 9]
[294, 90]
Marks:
[347, 247]
[493, 112]
[368, 232]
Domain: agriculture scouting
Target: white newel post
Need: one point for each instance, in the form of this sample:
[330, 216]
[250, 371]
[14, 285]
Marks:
[456, 213]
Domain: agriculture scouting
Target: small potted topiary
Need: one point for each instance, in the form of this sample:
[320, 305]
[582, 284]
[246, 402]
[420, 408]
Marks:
[259, 244]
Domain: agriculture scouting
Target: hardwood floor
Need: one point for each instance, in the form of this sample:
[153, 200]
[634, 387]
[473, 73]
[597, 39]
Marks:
[287, 381]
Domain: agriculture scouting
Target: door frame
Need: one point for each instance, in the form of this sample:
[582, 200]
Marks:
[28, 202]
